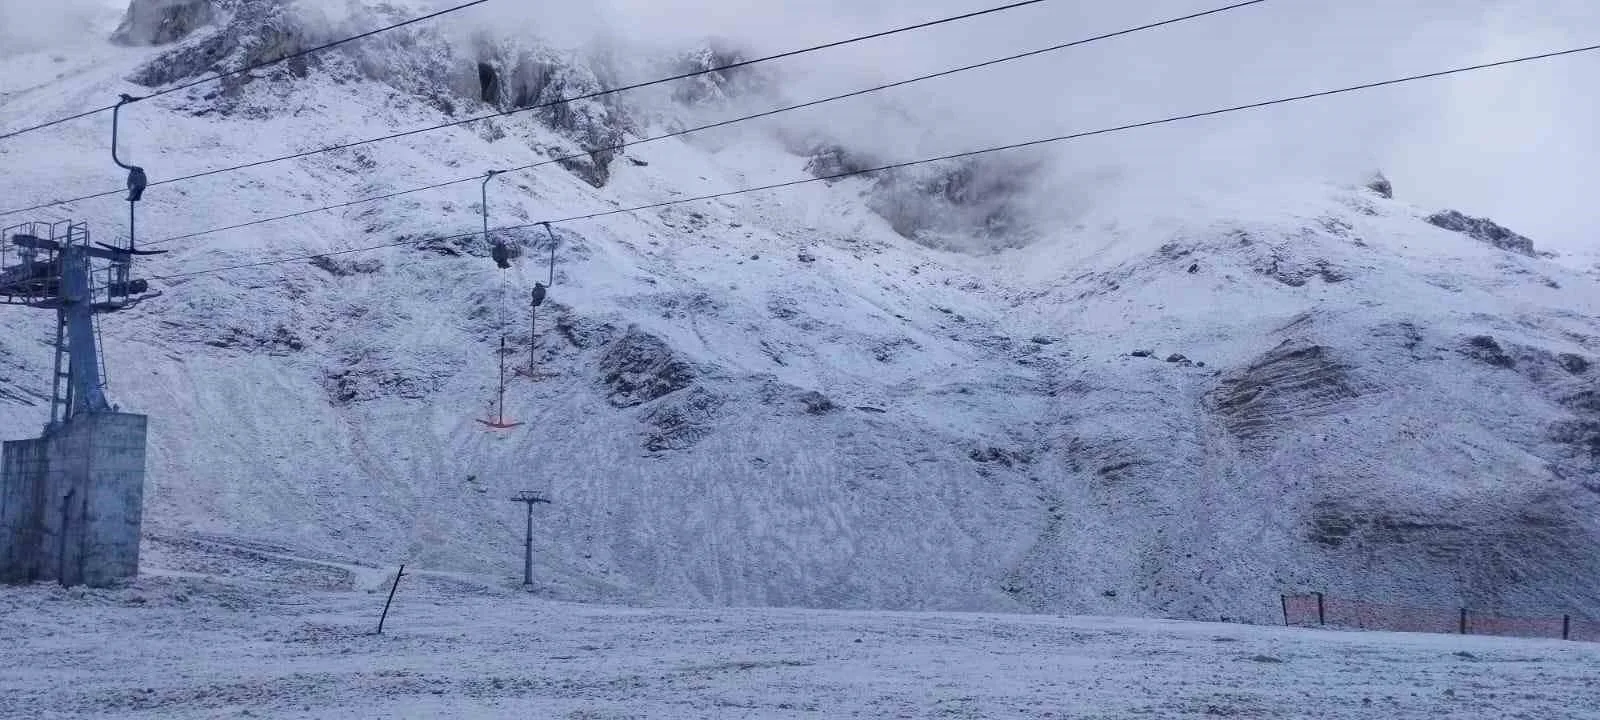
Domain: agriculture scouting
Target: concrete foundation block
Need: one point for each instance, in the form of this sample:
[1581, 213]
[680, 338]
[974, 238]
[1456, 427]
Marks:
[72, 503]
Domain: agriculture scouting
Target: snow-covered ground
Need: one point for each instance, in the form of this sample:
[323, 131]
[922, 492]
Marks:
[295, 639]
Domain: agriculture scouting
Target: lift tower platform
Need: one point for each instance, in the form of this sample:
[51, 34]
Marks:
[71, 501]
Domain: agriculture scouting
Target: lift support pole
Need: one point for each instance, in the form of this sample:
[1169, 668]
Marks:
[529, 498]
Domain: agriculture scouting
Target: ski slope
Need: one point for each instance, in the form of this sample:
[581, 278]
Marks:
[287, 637]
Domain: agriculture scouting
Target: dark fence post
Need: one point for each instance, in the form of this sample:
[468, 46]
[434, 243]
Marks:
[1322, 618]
[1285, 600]
[1463, 621]
[1566, 627]
[392, 588]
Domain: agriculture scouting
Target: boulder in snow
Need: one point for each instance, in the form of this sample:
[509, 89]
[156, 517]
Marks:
[640, 367]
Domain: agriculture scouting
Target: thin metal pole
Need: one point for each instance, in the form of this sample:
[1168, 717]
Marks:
[392, 588]
[527, 551]
[1285, 600]
[552, 235]
[502, 411]
[533, 335]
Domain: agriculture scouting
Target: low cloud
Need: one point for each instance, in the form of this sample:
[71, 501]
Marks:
[1515, 143]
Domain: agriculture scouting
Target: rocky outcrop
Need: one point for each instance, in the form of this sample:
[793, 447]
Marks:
[160, 22]
[1293, 380]
[1484, 230]
[418, 61]
[831, 161]
[511, 80]
[640, 367]
[253, 33]
[364, 374]
[681, 421]
[713, 85]
[1381, 185]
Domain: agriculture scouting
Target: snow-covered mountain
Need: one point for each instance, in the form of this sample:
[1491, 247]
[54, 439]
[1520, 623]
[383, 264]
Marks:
[911, 391]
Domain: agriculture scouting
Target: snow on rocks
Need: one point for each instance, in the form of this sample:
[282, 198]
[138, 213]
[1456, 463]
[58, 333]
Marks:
[1483, 230]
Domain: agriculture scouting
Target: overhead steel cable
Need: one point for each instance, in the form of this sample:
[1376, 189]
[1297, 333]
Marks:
[925, 161]
[550, 104]
[725, 123]
[246, 69]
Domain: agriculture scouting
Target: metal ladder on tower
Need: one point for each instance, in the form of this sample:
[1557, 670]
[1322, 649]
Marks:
[61, 392]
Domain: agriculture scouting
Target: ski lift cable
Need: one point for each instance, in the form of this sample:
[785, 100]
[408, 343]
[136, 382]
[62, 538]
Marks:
[954, 156]
[726, 123]
[550, 104]
[257, 66]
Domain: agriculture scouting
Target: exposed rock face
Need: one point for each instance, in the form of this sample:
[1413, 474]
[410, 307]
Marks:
[1293, 380]
[1481, 547]
[511, 80]
[1381, 185]
[253, 33]
[1484, 230]
[640, 367]
[417, 61]
[681, 421]
[159, 22]
[341, 267]
[832, 160]
[716, 86]
[364, 374]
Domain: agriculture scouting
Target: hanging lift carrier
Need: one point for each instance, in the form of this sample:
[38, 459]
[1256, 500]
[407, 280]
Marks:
[503, 253]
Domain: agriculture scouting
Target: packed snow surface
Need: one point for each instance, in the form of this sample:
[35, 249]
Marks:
[294, 638]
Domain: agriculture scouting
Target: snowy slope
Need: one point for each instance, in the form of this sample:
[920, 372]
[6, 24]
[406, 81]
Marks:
[197, 645]
[777, 399]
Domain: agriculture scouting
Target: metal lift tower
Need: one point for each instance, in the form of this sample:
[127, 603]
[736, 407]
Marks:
[71, 501]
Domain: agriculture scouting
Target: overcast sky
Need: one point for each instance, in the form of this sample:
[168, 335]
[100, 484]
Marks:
[1517, 144]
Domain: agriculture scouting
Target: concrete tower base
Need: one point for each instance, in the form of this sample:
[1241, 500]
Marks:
[72, 503]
